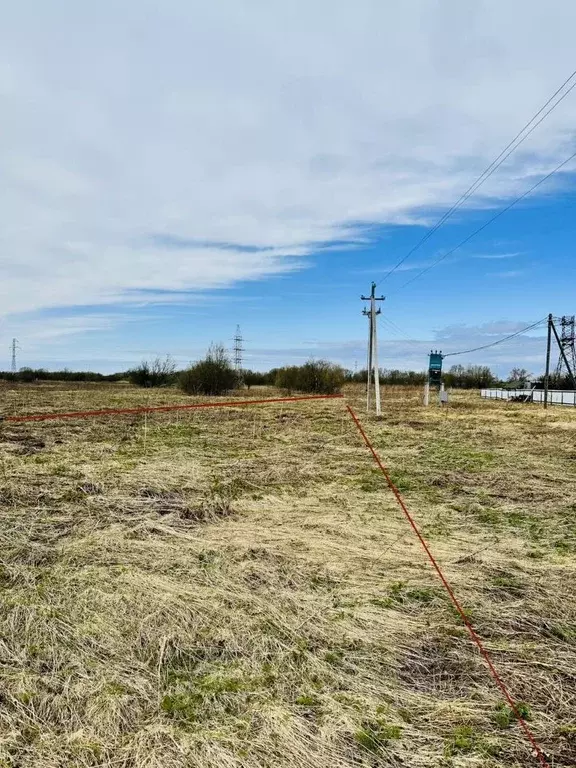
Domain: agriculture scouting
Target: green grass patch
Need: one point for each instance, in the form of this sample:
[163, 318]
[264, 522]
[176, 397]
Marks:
[504, 715]
[404, 480]
[374, 734]
[181, 706]
[457, 456]
[399, 593]
[508, 584]
[465, 740]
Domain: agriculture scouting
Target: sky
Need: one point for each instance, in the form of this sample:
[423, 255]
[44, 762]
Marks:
[172, 170]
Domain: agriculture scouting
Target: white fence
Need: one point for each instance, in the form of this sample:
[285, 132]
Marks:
[555, 396]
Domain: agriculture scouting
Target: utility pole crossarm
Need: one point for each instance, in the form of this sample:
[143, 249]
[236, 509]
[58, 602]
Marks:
[372, 296]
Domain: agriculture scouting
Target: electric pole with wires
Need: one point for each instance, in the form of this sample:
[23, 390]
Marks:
[372, 314]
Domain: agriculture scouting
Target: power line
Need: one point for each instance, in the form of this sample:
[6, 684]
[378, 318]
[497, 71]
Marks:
[399, 332]
[511, 147]
[494, 343]
[487, 223]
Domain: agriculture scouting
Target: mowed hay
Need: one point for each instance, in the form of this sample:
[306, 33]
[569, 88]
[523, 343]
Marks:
[238, 587]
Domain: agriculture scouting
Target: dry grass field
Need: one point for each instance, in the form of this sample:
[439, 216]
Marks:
[238, 588]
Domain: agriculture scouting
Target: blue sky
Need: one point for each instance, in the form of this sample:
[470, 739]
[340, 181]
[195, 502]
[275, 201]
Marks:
[169, 173]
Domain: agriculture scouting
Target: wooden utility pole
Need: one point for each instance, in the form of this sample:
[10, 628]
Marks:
[548, 348]
[373, 348]
[375, 353]
[369, 364]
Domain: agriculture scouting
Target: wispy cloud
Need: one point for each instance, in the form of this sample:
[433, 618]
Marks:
[407, 266]
[494, 256]
[507, 274]
[485, 332]
[233, 153]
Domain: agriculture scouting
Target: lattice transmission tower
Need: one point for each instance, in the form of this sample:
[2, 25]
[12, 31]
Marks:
[238, 352]
[567, 345]
[13, 347]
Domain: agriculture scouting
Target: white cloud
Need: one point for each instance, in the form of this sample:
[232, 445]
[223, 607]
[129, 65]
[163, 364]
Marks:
[184, 145]
[397, 352]
[411, 265]
[495, 256]
[507, 274]
[482, 334]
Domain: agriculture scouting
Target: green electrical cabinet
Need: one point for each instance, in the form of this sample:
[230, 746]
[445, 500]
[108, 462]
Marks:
[435, 369]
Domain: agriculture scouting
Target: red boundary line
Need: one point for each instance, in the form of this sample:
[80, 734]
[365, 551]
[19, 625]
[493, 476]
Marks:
[528, 733]
[162, 408]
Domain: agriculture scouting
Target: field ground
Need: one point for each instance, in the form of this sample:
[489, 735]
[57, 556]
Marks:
[238, 588]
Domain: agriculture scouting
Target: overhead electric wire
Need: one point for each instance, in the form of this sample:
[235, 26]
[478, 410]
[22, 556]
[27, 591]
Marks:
[494, 343]
[511, 147]
[398, 331]
[487, 223]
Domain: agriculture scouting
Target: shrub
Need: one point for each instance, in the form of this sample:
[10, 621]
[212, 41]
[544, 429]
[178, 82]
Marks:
[255, 378]
[288, 378]
[317, 376]
[159, 373]
[322, 377]
[212, 376]
[27, 375]
[393, 377]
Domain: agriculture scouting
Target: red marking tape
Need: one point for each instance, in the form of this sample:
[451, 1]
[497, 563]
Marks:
[163, 408]
[537, 752]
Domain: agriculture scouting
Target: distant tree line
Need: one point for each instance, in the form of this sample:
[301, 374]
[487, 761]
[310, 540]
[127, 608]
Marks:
[29, 375]
[471, 377]
[259, 379]
[215, 374]
[390, 376]
[560, 382]
[465, 377]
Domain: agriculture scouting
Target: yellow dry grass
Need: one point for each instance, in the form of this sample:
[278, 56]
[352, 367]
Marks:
[238, 588]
